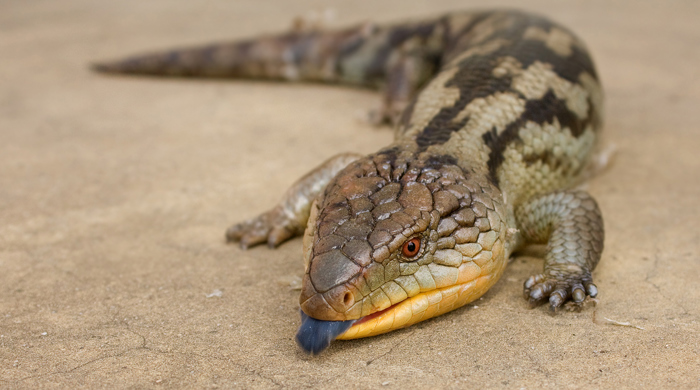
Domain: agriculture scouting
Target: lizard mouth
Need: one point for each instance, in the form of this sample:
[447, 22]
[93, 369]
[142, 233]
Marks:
[373, 315]
[316, 335]
[418, 308]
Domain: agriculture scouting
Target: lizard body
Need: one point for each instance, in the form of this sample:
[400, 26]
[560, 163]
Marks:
[496, 116]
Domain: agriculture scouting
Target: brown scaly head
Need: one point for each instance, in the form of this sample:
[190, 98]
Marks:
[397, 239]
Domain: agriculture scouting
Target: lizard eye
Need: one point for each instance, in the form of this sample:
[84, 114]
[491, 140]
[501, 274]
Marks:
[411, 247]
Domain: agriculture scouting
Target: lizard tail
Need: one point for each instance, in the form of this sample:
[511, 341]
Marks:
[364, 55]
[296, 55]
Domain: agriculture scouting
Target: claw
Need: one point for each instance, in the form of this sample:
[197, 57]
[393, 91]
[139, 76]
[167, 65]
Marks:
[533, 303]
[252, 239]
[234, 233]
[278, 235]
[539, 293]
[579, 295]
[592, 290]
[530, 282]
[556, 299]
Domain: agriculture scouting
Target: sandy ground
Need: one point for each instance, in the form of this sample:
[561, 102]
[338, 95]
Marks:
[115, 193]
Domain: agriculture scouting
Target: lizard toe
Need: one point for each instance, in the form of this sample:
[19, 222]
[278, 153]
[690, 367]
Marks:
[272, 227]
[558, 289]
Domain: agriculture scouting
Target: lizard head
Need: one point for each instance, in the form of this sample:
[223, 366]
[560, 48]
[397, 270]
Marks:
[396, 240]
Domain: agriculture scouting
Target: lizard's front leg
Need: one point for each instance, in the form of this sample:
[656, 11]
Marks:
[571, 225]
[288, 218]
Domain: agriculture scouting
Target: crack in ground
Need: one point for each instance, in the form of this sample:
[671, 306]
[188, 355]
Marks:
[390, 349]
[59, 372]
[658, 288]
[74, 368]
[227, 360]
[143, 345]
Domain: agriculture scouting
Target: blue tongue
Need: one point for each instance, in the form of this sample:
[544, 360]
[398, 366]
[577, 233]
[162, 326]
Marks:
[315, 335]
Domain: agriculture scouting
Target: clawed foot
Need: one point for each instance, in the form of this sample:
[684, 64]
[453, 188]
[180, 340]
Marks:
[273, 227]
[558, 288]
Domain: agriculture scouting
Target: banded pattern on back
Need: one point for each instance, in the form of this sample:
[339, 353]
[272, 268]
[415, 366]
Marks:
[517, 96]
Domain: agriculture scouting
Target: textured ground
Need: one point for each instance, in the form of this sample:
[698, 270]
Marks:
[115, 193]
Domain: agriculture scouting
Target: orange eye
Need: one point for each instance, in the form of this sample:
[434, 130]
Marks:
[411, 247]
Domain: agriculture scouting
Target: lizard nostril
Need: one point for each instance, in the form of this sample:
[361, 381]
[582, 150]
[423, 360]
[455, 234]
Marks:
[347, 299]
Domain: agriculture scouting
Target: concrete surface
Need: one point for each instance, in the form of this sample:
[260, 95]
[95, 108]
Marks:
[115, 193]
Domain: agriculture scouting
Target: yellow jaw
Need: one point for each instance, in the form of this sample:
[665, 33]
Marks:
[421, 307]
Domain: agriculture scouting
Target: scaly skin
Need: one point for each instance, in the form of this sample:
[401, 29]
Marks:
[482, 163]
